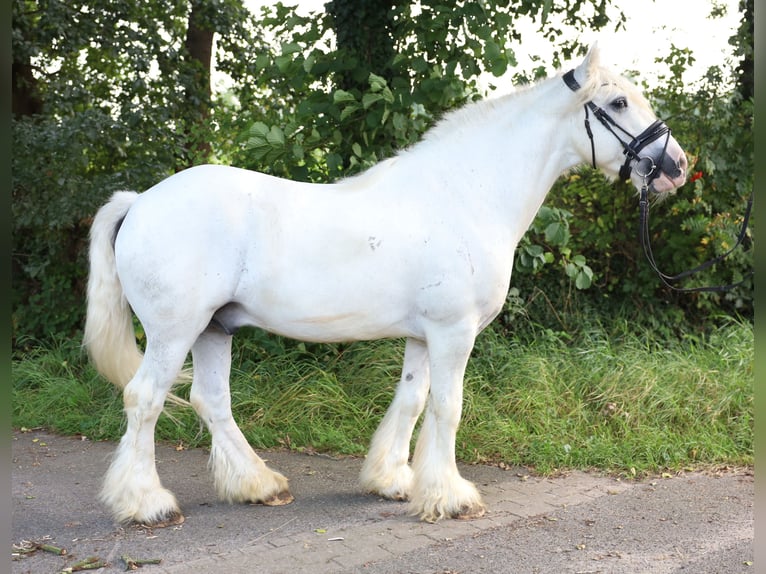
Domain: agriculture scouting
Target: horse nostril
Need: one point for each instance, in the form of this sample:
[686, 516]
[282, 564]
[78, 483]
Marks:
[673, 168]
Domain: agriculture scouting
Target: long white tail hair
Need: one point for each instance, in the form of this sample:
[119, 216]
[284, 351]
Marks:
[110, 337]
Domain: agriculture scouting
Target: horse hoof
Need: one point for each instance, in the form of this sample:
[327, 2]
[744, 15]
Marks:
[172, 519]
[279, 499]
[470, 512]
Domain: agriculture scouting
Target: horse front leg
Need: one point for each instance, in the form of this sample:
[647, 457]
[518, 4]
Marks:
[438, 490]
[386, 470]
[239, 474]
[132, 488]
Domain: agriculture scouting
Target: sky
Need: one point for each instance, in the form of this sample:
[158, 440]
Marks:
[652, 25]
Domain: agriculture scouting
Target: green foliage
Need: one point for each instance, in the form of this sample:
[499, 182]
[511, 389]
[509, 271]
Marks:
[112, 77]
[63, 170]
[120, 111]
[715, 124]
[551, 229]
[333, 112]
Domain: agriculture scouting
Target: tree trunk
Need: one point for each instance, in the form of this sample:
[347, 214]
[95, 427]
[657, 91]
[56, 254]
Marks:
[745, 38]
[363, 32]
[25, 100]
[196, 108]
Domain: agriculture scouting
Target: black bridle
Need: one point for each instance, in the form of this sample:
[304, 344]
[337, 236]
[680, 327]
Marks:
[648, 170]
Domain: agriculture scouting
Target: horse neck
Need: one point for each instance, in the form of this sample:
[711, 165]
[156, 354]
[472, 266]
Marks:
[508, 152]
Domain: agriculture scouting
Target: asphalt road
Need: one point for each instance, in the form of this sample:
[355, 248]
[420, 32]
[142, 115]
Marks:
[577, 523]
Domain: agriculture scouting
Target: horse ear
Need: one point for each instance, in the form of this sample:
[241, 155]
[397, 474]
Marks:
[593, 57]
[588, 66]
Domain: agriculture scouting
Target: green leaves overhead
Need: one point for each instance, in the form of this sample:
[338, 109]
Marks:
[394, 68]
[105, 97]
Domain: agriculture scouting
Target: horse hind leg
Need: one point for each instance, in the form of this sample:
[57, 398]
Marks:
[239, 474]
[132, 488]
[386, 470]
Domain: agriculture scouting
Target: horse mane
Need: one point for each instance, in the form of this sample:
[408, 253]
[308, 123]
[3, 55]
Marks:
[602, 82]
[473, 112]
[467, 115]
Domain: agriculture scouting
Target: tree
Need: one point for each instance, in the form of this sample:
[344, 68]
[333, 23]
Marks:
[199, 51]
[106, 95]
[113, 94]
[743, 48]
[364, 35]
[388, 80]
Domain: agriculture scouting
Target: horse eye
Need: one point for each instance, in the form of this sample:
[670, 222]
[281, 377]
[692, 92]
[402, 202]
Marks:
[619, 104]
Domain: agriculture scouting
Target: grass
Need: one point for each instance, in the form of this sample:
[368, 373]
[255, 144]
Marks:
[609, 399]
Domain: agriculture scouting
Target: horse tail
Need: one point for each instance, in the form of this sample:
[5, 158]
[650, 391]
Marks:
[109, 336]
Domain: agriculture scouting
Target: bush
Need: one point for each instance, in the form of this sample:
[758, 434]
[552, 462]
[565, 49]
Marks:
[63, 170]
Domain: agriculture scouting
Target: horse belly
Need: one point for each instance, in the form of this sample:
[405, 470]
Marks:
[368, 296]
[328, 303]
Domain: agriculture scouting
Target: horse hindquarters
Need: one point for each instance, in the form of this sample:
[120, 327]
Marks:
[131, 488]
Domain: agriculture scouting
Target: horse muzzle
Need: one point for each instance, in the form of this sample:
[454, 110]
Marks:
[670, 174]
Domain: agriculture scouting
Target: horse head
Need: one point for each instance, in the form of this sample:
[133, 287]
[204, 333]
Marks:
[622, 135]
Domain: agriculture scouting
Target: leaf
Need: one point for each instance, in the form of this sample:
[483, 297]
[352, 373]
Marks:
[348, 110]
[283, 62]
[340, 96]
[276, 137]
[262, 61]
[492, 50]
[579, 260]
[258, 130]
[308, 63]
[557, 233]
[377, 83]
[547, 4]
[290, 48]
[400, 121]
[334, 162]
[498, 67]
[534, 250]
[583, 280]
[369, 99]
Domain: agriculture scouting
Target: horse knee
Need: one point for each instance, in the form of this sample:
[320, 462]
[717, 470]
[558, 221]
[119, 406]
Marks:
[413, 400]
[143, 400]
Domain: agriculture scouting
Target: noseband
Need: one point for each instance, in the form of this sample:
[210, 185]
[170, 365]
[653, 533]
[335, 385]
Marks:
[646, 167]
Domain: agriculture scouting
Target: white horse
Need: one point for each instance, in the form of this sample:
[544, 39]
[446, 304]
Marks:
[420, 247]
